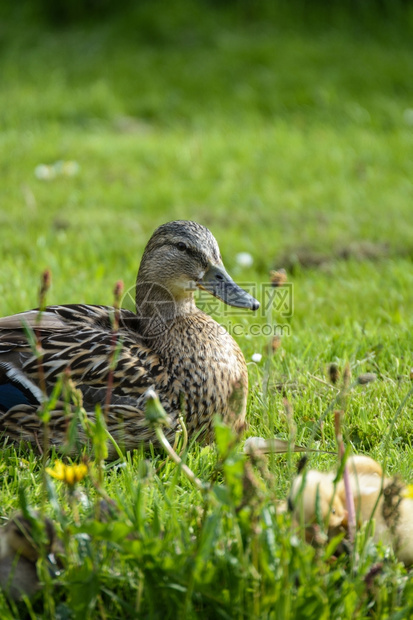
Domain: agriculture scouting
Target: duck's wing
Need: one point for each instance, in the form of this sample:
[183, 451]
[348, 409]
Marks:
[126, 423]
[62, 319]
[78, 339]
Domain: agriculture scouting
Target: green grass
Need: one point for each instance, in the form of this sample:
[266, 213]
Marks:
[280, 137]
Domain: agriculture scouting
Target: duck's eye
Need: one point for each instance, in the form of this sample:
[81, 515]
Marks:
[181, 246]
[333, 511]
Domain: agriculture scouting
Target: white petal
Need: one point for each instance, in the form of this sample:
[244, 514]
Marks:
[244, 259]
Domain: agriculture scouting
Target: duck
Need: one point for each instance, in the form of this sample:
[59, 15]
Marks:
[377, 498]
[168, 345]
[383, 500]
[318, 494]
[21, 540]
[314, 501]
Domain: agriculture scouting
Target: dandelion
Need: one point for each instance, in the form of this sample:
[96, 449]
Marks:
[70, 474]
[408, 491]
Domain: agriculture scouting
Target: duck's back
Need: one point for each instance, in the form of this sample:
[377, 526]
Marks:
[196, 368]
[81, 342]
[79, 339]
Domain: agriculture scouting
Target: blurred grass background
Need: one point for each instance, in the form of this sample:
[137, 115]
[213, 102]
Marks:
[285, 127]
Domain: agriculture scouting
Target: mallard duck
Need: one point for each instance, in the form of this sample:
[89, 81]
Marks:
[20, 548]
[169, 345]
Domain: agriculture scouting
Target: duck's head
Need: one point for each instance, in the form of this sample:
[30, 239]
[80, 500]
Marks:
[182, 256]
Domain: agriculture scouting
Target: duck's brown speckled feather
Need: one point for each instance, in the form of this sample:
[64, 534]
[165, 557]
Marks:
[185, 377]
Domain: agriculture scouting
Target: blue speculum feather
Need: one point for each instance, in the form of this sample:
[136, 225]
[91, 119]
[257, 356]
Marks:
[10, 396]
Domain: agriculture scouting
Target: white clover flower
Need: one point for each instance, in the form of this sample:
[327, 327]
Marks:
[44, 173]
[59, 168]
[256, 357]
[244, 259]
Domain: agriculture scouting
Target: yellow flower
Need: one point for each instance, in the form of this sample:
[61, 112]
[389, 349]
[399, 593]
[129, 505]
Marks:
[408, 492]
[70, 474]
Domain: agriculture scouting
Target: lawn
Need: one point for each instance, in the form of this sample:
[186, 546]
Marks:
[292, 140]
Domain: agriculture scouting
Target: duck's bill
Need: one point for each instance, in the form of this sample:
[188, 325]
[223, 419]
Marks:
[219, 284]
